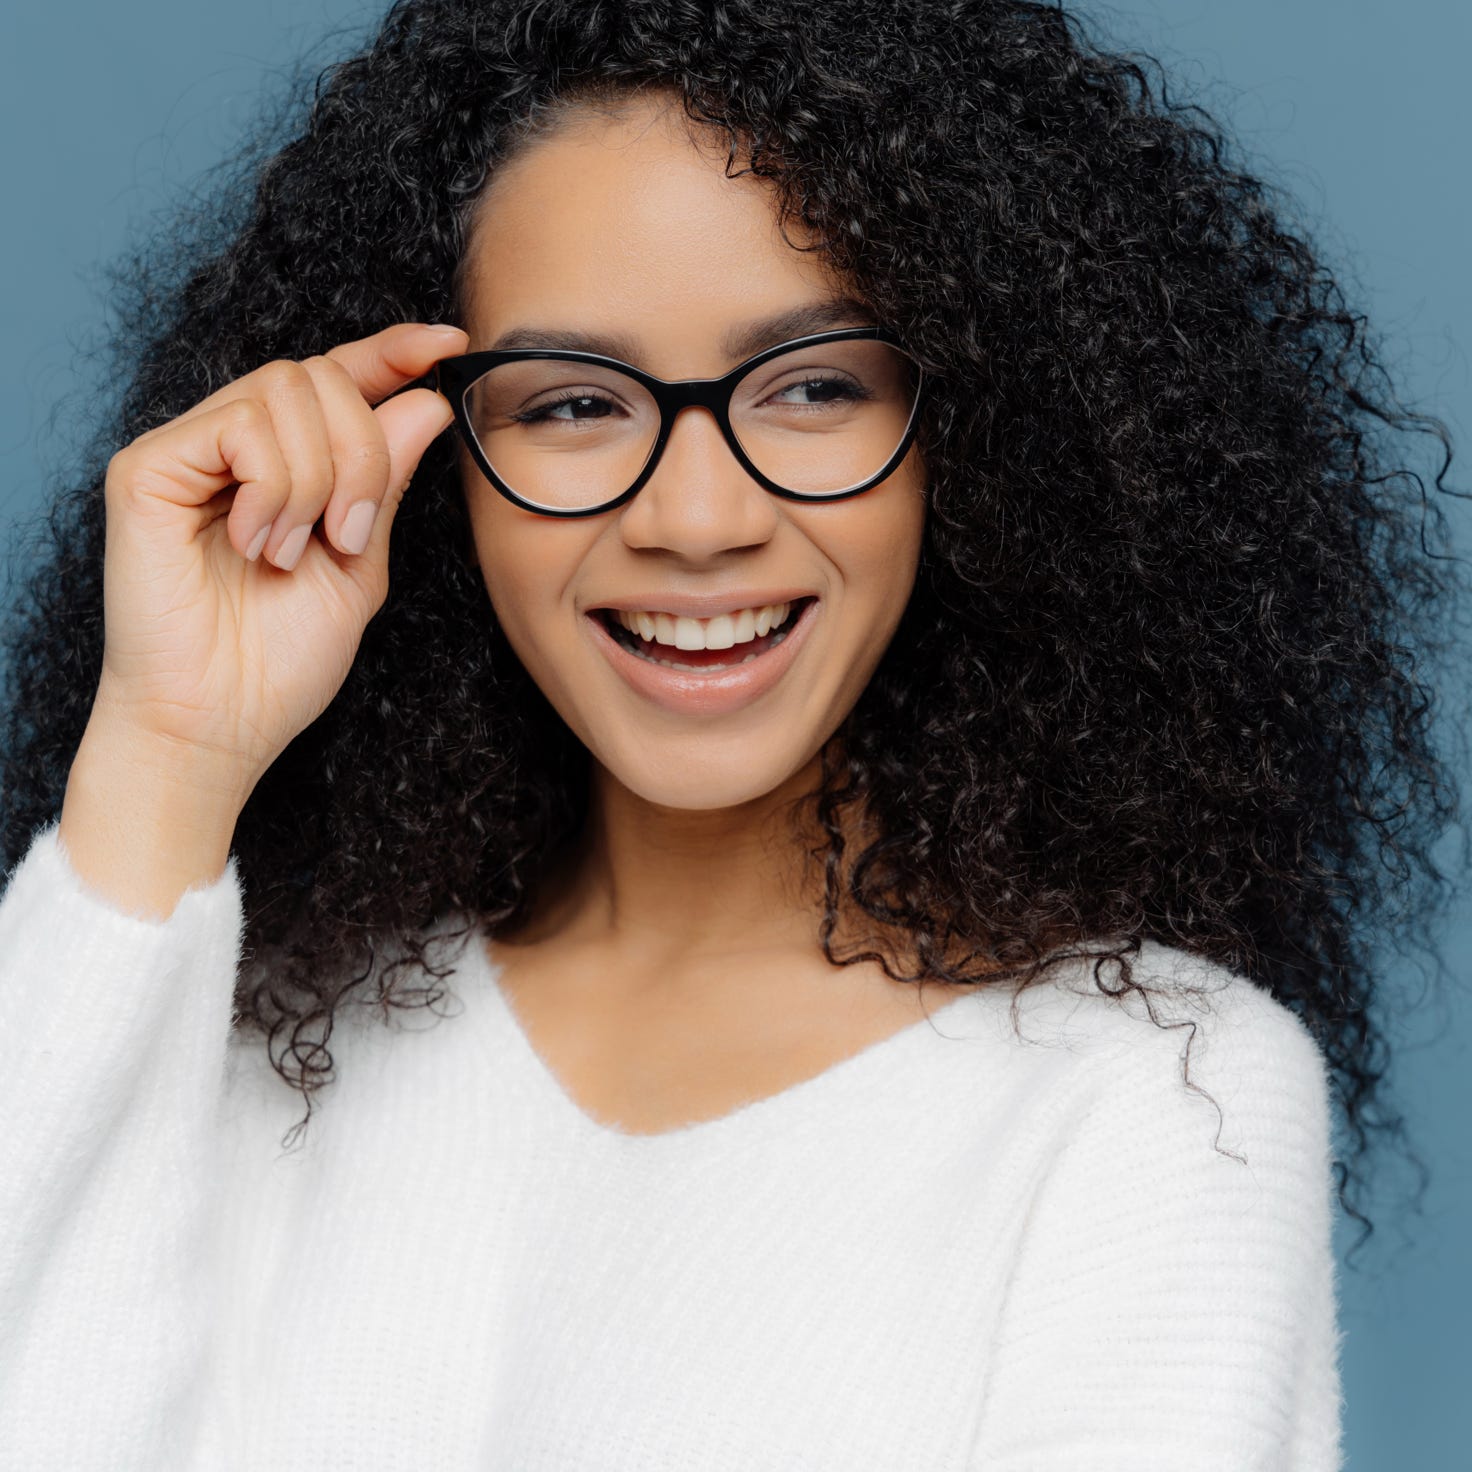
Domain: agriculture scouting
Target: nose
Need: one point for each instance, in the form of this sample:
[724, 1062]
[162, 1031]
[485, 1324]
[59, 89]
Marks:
[700, 501]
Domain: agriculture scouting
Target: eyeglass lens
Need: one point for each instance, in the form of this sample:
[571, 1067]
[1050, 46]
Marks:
[818, 420]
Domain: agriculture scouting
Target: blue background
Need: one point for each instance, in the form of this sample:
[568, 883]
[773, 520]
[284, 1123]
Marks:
[1360, 109]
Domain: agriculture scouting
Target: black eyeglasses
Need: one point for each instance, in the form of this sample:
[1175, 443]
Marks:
[819, 418]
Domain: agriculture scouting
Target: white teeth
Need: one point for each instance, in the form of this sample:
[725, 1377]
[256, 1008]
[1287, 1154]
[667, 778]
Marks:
[720, 632]
[724, 631]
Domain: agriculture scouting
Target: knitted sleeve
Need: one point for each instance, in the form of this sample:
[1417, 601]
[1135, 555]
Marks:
[113, 1040]
[1174, 1302]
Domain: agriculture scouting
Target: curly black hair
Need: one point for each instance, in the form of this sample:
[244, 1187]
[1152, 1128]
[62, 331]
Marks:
[1164, 673]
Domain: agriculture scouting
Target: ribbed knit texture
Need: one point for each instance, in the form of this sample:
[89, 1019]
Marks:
[958, 1249]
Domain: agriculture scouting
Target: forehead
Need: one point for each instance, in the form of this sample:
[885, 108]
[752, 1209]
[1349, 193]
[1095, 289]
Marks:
[627, 220]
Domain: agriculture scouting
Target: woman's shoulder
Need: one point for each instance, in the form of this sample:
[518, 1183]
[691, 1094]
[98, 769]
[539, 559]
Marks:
[1093, 998]
[1180, 1038]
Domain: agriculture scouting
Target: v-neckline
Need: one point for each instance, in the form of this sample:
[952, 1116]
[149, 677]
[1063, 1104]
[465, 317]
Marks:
[835, 1082]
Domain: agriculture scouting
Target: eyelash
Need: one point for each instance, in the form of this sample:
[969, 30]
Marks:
[856, 393]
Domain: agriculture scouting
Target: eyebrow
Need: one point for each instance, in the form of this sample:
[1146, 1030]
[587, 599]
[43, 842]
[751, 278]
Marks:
[739, 343]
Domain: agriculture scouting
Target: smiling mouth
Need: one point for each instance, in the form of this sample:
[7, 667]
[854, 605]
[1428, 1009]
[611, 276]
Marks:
[653, 652]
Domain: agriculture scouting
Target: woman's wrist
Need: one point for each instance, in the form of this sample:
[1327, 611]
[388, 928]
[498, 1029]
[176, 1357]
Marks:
[142, 824]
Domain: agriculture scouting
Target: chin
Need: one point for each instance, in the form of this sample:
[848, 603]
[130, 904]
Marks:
[706, 780]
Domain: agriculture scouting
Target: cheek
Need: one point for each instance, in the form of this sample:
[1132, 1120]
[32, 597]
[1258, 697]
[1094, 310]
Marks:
[877, 548]
[890, 546]
[523, 564]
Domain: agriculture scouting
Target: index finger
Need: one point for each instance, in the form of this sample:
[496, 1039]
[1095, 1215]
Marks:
[389, 359]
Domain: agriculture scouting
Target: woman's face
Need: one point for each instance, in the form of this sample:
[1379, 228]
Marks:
[627, 229]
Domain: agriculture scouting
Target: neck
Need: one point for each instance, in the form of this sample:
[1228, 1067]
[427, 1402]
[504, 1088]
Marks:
[666, 886]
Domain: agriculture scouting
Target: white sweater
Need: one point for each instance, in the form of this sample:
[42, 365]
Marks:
[954, 1250]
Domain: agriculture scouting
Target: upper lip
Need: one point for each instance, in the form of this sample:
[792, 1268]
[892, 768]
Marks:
[701, 605]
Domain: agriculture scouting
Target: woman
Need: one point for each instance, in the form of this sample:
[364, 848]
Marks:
[884, 722]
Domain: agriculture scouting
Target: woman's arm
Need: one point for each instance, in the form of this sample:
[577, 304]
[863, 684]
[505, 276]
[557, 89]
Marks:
[113, 1035]
[1174, 1306]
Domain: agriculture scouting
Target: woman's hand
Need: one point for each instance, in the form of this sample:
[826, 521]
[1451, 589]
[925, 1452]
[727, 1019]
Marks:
[229, 626]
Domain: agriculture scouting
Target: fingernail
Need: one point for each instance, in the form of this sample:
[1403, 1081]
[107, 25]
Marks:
[444, 330]
[357, 526]
[254, 550]
[288, 554]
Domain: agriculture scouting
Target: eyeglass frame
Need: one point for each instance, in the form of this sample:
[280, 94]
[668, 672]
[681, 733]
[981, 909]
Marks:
[452, 377]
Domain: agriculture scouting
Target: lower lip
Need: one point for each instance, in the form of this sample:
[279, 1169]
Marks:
[691, 692]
